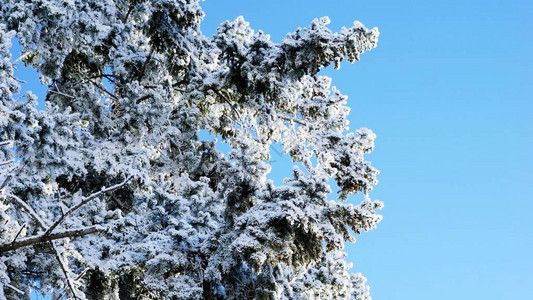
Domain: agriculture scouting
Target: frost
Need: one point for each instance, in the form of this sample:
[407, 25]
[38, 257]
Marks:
[112, 193]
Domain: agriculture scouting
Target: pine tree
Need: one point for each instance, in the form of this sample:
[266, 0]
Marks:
[110, 193]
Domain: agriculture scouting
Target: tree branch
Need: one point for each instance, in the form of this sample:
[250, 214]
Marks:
[83, 202]
[18, 233]
[58, 92]
[65, 270]
[130, 9]
[292, 120]
[8, 178]
[14, 288]
[143, 68]
[29, 210]
[23, 56]
[41, 238]
[47, 237]
[101, 87]
[229, 103]
[109, 77]
[4, 143]
[137, 101]
[5, 163]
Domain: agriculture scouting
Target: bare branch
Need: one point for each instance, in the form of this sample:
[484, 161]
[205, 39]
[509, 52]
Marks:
[292, 120]
[14, 288]
[229, 103]
[62, 94]
[101, 87]
[5, 163]
[58, 92]
[177, 83]
[23, 56]
[29, 210]
[142, 99]
[83, 202]
[5, 143]
[41, 238]
[109, 77]
[66, 272]
[143, 68]
[80, 276]
[47, 237]
[8, 178]
[18, 233]
[130, 9]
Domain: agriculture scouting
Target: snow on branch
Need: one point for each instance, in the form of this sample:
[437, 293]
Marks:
[6, 181]
[50, 237]
[85, 201]
[66, 273]
[28, 209]
[41, 238]
[5, 163]
[14, 288]
[292, 120]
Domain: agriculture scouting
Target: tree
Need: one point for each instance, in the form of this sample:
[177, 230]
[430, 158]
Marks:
[111, 192]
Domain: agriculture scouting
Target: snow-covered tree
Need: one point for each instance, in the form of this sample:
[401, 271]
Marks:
[110, 193]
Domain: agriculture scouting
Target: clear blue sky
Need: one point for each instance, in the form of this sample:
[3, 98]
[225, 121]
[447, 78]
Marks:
[448, 92]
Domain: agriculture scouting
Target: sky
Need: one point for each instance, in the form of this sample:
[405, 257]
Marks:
[448, 93]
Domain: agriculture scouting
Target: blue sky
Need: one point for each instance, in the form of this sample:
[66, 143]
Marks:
[448, 92]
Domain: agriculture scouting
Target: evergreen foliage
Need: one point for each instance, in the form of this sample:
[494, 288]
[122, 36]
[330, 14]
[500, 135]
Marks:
[109, 193]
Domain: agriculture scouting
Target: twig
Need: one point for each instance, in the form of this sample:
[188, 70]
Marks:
[76, 279]
[109, 77]
[64, 268]
[229, 103]
[62, 94]
[14, 288]
[142, 99]
[130, 9]
[82, 273]
[175, 84]
[292, 120]
[143, 68]
[29, 210]
[103, 89]
[23, 56]
[83, 202]
[8, 178]
[58, 92]
[18, 233]
[7, 162]
[4, 143]
[41, 238]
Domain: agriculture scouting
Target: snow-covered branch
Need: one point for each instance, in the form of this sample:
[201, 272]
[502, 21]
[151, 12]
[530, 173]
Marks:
[292, 120]
[29, 210]
[6, 181]
[41, 238]
[5, 163]
[4, 143]
[85, 201]
[14, 289]
[66, 272]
